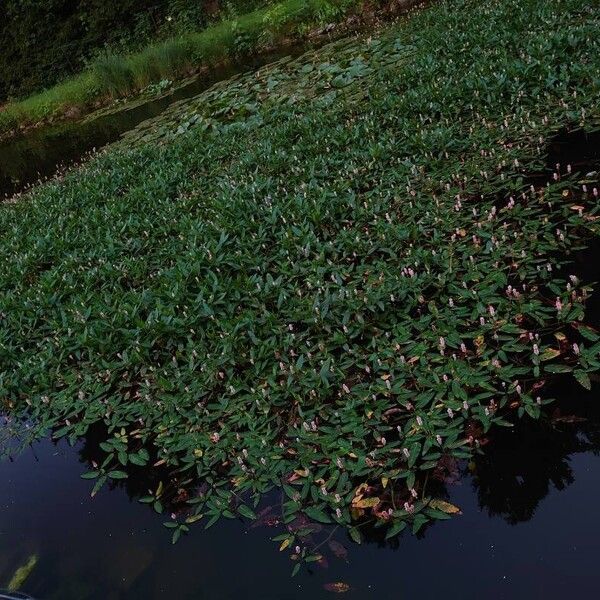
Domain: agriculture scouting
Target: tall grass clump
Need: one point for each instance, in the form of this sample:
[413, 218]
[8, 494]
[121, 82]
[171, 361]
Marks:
[169, 59]
[79, 91]
[114, 75]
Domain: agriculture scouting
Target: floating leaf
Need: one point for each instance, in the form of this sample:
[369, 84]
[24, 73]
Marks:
[549, 354]
[584, 379]
[316, 514]
[246, 512]
[366, 502]
[285, 544]
[444, 506]
[339, 587]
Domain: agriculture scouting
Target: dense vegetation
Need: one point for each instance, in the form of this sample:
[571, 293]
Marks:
[43, 41]
[112, 74]
[335, 293]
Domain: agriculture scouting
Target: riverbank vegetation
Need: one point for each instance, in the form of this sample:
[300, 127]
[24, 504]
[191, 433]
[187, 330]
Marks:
[41, 43]
[336, 293]
[113, 74]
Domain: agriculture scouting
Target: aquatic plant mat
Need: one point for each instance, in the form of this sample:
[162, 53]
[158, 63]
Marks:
[332, 280]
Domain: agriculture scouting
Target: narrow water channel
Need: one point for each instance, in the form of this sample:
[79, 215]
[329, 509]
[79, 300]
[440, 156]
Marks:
[40, 153]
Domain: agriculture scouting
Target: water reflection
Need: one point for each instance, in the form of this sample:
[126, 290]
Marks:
[516, 470]
[522, 464]
[112, 547]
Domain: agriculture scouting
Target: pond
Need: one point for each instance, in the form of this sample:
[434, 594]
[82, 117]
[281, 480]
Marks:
[528, 529]
[528, 526]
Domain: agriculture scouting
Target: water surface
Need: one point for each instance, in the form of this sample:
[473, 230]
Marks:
[529, 528]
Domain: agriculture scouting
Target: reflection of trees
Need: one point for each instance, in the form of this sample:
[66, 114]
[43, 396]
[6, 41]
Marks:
[140, 481]
[514, 473]
[522, 464]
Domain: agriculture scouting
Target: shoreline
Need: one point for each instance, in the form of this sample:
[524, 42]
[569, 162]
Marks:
[20, 119]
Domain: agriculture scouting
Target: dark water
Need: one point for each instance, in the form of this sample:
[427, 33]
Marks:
[40, 153]
[530, 528]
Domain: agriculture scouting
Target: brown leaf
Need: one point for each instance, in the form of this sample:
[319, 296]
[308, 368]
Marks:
[337, 588]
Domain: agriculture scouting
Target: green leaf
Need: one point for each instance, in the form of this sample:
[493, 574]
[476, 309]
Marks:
[316, 514]
[418, 523]
[557, 368]
[355, 535]
[588, 333]
[246, 512]
[396, 528]
[584, 379]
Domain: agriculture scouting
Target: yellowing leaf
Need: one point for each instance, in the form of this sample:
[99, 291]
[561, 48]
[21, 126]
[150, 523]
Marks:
[549, 353]
[22, 573]
[479, 343]
[285, 544]
[366, 502]
[384, 481]
[444, 506]
[355, 513]
[360, 489]
[193, 519]
[159, 490]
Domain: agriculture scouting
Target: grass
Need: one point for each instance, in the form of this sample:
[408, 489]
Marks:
[331, 279]
[116, 76]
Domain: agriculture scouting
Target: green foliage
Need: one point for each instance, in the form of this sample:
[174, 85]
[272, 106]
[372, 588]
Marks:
[333, 277]
[42, 42]
[113, 75]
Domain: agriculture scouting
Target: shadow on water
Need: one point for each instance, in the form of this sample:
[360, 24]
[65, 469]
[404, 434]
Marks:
[536, 475]
[40, 153]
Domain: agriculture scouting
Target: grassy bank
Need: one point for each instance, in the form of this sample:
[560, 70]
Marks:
[116, 76]
[335, 293]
